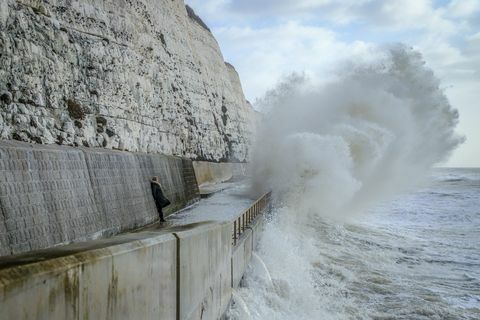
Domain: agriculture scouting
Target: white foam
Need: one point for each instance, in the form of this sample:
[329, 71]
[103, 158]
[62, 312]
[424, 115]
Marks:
[328, 152]
[374, 132]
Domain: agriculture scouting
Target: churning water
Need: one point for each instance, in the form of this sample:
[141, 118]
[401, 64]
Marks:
[414, 257]
[342, 243]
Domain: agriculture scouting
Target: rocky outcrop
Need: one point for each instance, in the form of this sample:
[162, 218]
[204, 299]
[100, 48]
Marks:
[142, 75]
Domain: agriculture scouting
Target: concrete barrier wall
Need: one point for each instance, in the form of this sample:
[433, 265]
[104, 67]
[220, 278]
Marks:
[51, 195]
[241, 256]
[242, 253]
[212, 172]
[186, 274]
[132, 280]
[205, 271]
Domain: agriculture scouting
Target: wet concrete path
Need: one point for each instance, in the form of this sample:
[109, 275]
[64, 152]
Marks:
[224, 205]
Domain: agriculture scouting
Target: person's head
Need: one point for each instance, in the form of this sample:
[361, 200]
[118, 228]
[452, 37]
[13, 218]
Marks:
[155, 179]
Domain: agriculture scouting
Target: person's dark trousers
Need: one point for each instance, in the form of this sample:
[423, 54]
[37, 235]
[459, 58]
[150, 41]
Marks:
[160, 212]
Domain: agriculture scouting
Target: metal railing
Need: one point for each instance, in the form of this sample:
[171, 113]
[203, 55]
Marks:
[247, 217]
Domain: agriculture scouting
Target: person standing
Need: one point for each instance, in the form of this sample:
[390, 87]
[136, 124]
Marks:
[160, 200]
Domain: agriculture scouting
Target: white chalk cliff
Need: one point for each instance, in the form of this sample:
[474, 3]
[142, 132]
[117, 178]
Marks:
[143, 75]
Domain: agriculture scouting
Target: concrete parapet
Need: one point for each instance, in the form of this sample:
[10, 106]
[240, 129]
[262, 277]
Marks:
[131, 280]
[242, 252]
[185, 272]
[204, 271]
[241, 256]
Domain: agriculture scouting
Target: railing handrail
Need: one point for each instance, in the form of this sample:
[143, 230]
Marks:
[256, 201]
[243, 220]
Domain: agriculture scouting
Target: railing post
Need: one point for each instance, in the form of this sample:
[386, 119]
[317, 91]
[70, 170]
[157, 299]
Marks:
[235, 233]
[239, 227]
[248, 216]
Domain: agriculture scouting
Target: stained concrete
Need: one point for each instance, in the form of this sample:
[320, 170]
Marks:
[205, 271]
[241, 255]
[132, 280]
[242, 252]
[157, 274]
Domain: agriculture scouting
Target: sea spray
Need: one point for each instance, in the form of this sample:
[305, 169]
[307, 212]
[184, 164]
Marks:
[329, 152]
[260, 272]
[239, 309]
[375, 131]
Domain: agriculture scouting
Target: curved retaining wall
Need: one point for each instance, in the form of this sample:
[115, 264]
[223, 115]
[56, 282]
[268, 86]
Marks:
[183, 273]
[213, 172]
[52, 195]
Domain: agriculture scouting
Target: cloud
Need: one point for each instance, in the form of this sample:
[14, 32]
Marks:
[274, 52]
[463, 8]
[390, 14]
[279, 36]
[268, 39]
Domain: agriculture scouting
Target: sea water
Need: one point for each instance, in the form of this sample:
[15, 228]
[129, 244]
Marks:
[359, 230]
[416, 256]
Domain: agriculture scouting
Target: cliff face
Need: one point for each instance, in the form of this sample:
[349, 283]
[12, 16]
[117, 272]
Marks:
[142, 75]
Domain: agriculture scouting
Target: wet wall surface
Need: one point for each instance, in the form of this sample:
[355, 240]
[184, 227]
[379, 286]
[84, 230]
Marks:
[51, 195]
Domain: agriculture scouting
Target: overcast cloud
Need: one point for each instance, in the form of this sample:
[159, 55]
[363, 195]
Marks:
[268, 39]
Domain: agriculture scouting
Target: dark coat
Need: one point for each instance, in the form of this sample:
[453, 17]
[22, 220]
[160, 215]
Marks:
[157, 193]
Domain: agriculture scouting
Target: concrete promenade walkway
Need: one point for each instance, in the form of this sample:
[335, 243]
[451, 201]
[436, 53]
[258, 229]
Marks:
[230, 201]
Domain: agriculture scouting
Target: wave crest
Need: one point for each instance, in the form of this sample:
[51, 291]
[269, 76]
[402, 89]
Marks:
[373, 132]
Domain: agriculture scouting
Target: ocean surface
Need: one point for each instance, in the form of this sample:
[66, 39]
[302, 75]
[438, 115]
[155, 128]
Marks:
[414, 257]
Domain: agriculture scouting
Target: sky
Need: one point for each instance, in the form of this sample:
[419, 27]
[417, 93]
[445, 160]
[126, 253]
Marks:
[269, 39]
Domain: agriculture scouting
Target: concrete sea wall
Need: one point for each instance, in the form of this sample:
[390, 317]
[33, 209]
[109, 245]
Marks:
[204, 271]
[183, 273]
[242, 252]
[213, 173]
[132, 280]
[52, 195]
